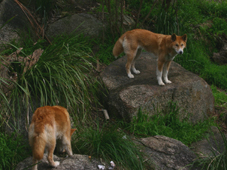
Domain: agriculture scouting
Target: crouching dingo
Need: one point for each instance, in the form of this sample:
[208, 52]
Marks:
[165, 47]
[49, 123]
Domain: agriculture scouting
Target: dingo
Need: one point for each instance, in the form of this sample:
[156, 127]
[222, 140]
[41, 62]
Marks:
[165, 47]
[49, 123]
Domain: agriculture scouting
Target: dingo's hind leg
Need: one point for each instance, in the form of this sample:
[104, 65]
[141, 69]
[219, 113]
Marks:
[134, 60]
[130, 58]
[67, 145]
[50, 150]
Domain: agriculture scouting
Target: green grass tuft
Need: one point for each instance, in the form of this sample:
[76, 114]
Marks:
[110, 144]
[12, 151]
[219, 96]
[168, 125]
[60, 77]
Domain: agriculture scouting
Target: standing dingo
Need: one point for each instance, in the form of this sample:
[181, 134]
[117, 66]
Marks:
[165, 47]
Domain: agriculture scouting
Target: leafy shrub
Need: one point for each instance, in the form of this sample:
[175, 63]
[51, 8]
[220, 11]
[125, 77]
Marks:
[12, 151]
[220, 96]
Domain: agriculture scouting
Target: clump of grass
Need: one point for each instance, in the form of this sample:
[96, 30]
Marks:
[168, 125]
[60, 77]
[12, 151]
[110, 144]
[220, 96]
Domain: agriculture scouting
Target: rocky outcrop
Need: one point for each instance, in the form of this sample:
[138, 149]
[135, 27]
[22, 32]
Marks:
[165, 153]
[77, 23]
[192, 94]
[74, 162]
[221, 57]
[20, 23]
[213, 145]
[160, 153]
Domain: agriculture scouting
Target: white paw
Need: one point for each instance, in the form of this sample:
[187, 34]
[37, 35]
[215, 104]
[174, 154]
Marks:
[161, 83]
[167, 81]
[56, 163]
[135, 71]
[130, 75]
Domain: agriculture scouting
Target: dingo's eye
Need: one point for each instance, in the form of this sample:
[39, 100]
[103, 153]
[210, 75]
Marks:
[182, 45]
[177, 45]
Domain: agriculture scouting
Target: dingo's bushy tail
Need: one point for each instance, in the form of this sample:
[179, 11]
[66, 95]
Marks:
[118, 48]
[38, 146]
[39, 143]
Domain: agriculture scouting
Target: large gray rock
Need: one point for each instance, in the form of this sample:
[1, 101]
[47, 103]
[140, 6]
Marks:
[212, 146]
[165, 153]
[221, 57]
[192, 94]
[18, 25]
[75, 162]
[79, 23]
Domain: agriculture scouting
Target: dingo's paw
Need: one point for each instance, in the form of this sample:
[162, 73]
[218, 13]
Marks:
[56, 163]
[168, 81]
[135, 71]
[130, 76]
[160, 83]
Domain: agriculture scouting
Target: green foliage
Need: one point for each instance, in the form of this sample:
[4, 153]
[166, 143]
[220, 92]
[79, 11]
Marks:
[168, 125]
[44, 7]
[212, 8]
[147, 4]
[105, 54]
[110, 144]
[166, 22]
[12, 151]
[219, 26]
[219, 96]
[61, 76]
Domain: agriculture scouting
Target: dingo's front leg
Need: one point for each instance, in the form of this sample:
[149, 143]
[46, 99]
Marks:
[159, 72]
[165, 72]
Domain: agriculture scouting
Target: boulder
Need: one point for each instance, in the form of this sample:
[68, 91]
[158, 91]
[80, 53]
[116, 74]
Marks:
[126, 96]
[212, 146]
[74, 162]
[164, 153]
[77, 23]
[221, 57]
[19, 24]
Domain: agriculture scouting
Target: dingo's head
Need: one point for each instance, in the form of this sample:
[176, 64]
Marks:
[179, 43]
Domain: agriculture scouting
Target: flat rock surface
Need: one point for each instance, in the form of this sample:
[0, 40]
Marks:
[75, 162]
[164, 153]
[76, 24]
[192, 94]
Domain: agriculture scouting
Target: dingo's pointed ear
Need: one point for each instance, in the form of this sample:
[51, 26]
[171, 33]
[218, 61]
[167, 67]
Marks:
[173, 37]
[184, 37]
[72, 130]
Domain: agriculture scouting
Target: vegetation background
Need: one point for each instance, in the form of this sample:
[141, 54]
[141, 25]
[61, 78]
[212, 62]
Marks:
[66, 74]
